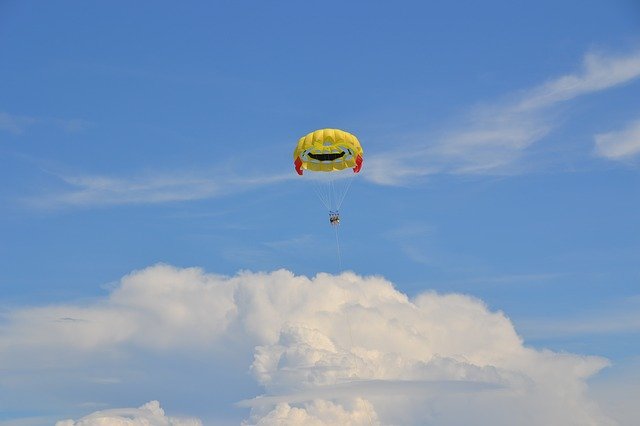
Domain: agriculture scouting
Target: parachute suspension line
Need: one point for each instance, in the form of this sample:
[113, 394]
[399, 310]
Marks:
[338, 249]
[327, 151]
[333, 195]
[326, 193]
[354, 358]
[332, 192]
[322, 192]
[344, 192]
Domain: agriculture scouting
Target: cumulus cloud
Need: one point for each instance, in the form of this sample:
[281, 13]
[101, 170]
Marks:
[619, 145]
[318, 413]
[330, 349]
[494, 136]
[150, 414]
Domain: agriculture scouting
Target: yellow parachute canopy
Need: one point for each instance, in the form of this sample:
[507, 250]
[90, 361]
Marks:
[327, 150]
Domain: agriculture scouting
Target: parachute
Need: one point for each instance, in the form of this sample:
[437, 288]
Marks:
[328, 153]
[328, 150]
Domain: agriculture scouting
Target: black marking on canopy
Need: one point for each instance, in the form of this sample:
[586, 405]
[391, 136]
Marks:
[327, 157]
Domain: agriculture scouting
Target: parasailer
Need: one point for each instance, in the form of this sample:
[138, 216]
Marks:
[328, 154]
[334, 218]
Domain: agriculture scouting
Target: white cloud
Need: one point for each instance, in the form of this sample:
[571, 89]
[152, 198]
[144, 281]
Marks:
[618, 390]
[150, 414]
[619, 317]
[318, 413]
[619, 145]
[490, 140]
[14, 123]
[28, 421]
[346, 348]
[494, 137]
[599, 72]
[18, 124]
[87, 191]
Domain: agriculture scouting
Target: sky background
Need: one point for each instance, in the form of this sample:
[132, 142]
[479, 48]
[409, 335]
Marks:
[501, 139]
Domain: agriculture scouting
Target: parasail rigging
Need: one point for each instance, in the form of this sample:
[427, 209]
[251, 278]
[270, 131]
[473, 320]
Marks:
[333, 158]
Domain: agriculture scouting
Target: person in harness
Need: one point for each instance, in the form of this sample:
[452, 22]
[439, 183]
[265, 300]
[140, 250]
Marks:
[334, 218]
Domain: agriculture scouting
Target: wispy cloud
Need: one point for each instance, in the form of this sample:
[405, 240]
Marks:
[619, 145]
[88, 191]
[375, 388]
[293, 243]
[29, 421]
[599, 72]
[410, 238]
[19, 124]
[15, 124]
[494, 136]
[621, 318]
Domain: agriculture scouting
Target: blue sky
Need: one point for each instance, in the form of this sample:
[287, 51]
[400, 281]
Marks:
[501, 147]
